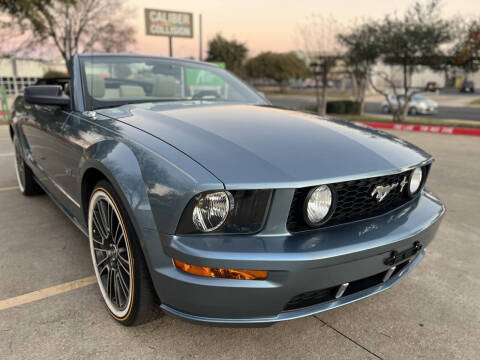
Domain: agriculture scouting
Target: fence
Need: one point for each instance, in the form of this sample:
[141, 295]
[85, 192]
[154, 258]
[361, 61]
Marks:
[10, 83]
[5, 112]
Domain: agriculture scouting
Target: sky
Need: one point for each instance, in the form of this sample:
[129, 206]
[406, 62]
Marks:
[267, 25]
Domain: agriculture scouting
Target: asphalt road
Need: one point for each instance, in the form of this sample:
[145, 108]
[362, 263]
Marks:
[432, 314]
[444, 112]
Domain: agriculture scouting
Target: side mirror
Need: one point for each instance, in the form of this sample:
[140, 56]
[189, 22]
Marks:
[46, 95]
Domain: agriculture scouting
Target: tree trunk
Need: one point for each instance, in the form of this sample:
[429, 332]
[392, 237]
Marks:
[323, 109]
[317, 93]
[361, 95]
[361, 106]
[403, 110]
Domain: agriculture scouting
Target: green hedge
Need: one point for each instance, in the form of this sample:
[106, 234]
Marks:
[342, 107]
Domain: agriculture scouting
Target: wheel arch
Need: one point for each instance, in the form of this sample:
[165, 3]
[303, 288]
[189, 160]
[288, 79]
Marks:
[116, 163]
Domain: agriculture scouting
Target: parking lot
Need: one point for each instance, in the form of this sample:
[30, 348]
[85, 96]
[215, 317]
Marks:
[433, 314]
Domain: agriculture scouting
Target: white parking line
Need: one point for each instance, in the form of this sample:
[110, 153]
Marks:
[46, 293]
[6, 154]
[8, 188]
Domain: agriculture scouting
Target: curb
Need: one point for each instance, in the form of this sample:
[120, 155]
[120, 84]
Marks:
[451, 130]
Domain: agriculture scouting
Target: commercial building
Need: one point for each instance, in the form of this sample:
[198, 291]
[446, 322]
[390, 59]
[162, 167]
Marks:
[16, 73]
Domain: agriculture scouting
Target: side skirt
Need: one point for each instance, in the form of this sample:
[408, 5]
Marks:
[72, 218]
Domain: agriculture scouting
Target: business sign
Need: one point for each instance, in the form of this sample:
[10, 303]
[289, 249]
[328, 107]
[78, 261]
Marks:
[169, 23]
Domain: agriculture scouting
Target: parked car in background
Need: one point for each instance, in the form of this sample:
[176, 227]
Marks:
[468, 87]
[419, 104]
[200, 198]
[432, 86]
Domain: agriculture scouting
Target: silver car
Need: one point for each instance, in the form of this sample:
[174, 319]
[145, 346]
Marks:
[419, 104]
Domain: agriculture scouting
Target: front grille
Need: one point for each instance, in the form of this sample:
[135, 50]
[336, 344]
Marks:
[316, 297]
[353, 201]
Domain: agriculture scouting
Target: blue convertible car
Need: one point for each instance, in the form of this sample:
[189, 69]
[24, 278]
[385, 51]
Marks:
[201, 199]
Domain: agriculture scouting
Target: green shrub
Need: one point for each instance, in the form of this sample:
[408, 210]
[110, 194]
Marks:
[52, 74]
[342, 107]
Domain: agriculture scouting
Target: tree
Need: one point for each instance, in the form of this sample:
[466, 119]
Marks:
[70, 26]
[231, 52]
[321, 68]
[362, 53]
[409, 43]
[276, 66]
[466, 51]
[319, 35]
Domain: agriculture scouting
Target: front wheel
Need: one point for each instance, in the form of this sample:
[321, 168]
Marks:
[120, 268]
[413, 111]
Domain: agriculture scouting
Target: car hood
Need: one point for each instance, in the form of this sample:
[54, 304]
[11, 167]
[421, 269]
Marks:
[251, 146]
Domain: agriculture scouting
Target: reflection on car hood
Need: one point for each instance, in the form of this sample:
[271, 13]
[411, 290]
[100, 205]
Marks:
[260, 146]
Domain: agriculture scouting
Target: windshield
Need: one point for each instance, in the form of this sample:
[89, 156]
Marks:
[419, 97]
[117, 80]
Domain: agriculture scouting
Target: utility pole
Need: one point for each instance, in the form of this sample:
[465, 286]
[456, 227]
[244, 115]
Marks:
[200, 55]
[170, 46]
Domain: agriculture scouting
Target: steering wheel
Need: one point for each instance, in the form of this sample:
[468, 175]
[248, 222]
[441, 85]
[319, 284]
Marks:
[206, 93]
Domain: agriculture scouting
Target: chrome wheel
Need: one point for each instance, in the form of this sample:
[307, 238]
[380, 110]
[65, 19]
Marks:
[111, 253]
[20, 170]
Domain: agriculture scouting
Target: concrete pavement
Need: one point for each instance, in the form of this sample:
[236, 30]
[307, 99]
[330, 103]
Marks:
[433, 314]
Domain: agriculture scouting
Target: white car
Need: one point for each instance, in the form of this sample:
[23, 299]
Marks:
[419, 104]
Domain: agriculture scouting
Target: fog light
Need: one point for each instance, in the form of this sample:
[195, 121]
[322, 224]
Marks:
[221, 273]
[318, 204]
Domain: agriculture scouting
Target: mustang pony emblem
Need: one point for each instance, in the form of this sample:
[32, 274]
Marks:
[380, 191]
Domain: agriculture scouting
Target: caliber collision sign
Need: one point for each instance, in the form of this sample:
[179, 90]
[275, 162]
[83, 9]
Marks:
[169, 23]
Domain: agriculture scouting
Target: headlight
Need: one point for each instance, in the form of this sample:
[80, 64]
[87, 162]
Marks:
[211, 210]
[318, 204]
[415, 181]
[225, 212]
[423, 105]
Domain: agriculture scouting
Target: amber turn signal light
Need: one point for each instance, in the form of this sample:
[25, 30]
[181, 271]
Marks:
[221, 273]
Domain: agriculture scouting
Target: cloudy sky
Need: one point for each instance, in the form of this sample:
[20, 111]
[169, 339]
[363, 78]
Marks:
[267, 24]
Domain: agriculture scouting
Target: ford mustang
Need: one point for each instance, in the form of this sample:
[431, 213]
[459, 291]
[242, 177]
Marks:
[201, 199]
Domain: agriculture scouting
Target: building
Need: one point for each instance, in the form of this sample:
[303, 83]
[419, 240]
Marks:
[17, 73]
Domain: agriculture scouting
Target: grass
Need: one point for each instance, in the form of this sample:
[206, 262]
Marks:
[419, 121]
[475, 102]
[331, 93]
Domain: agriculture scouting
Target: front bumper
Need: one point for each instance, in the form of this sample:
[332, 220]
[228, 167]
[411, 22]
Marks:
[428, 110]
[297, 264]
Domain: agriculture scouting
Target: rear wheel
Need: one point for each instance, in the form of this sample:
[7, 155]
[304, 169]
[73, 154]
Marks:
[25, 179]
[385, 109]
[120, 268]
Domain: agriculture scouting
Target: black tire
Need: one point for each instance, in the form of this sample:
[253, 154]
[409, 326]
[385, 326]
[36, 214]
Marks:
[143, 303]
[25, 178]
[413, 111]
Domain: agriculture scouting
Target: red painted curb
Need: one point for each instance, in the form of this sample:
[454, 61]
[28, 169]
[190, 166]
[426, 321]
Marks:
[425, 128]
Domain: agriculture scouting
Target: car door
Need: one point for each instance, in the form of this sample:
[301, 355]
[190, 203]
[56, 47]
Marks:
[42, 131]
[51, 147]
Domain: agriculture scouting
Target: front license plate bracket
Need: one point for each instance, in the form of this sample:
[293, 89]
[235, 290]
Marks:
[398, 257]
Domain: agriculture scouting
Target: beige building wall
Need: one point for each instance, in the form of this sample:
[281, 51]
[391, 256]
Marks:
[30, 67]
